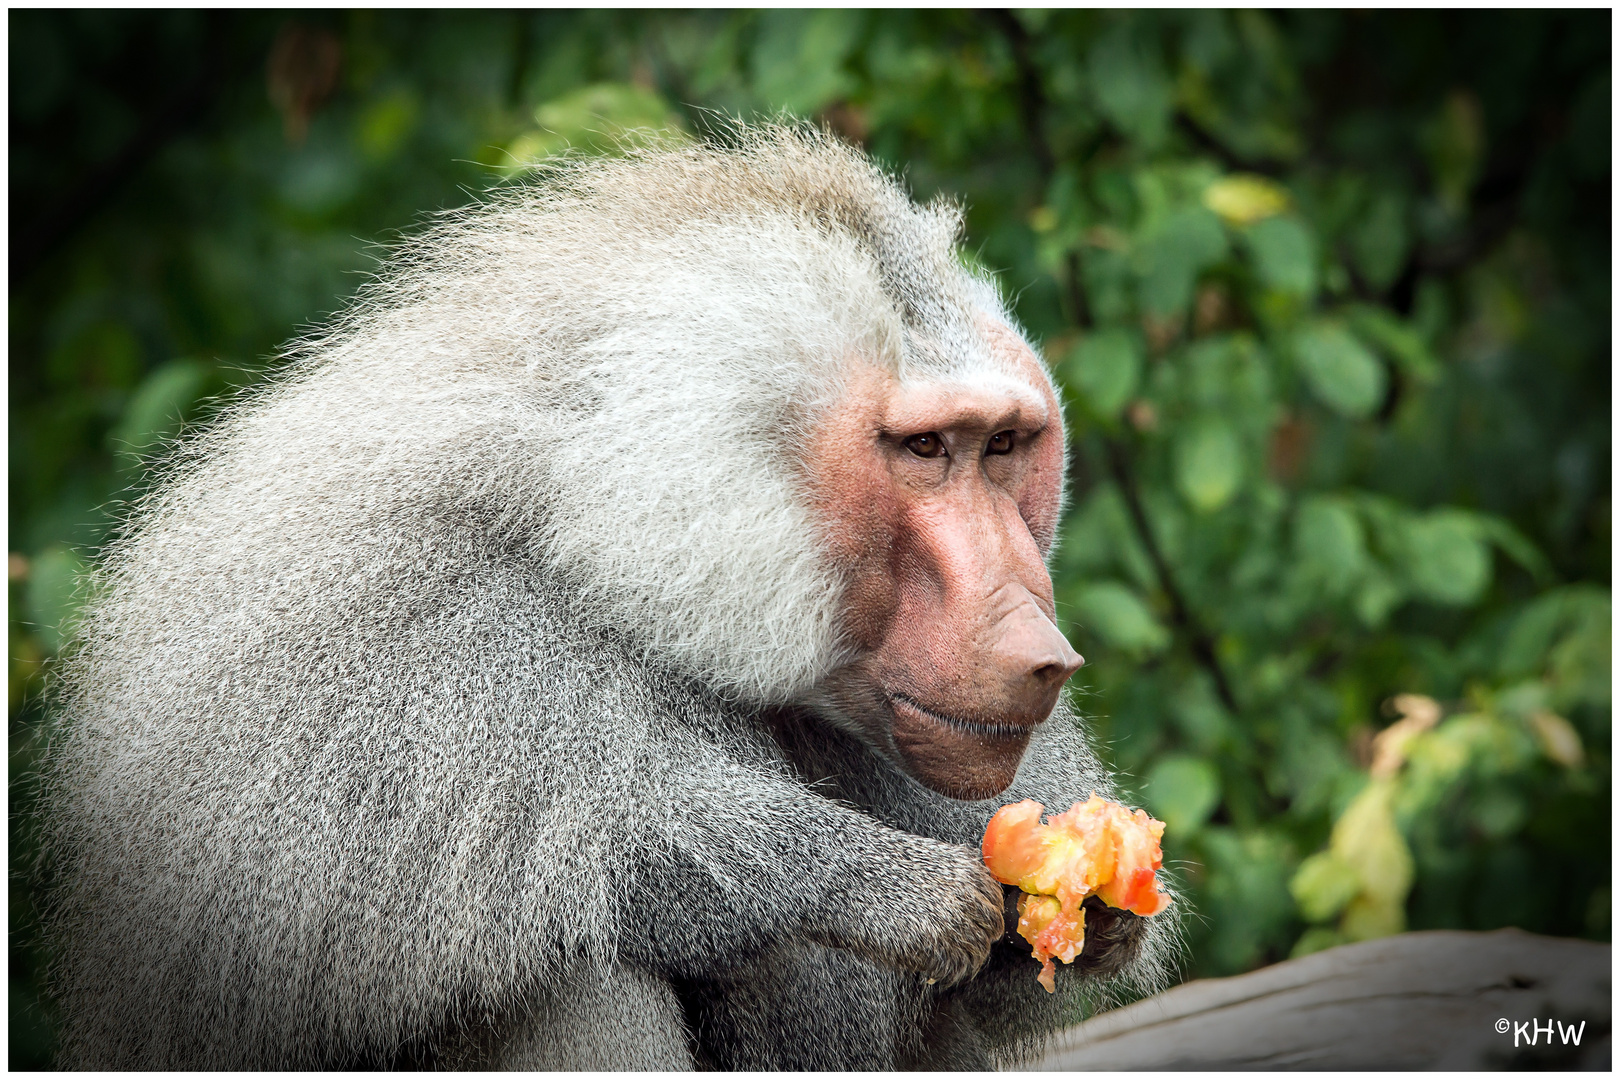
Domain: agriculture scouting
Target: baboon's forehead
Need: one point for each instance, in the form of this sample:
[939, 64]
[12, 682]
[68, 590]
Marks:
[973, 339]
[987, 353]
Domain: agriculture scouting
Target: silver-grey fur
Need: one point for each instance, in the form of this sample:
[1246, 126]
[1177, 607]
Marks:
[440, 707]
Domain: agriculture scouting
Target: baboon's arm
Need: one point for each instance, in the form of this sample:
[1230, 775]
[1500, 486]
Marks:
[745, 858]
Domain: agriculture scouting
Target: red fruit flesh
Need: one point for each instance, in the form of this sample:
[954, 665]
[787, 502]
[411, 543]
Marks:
[1094, 848]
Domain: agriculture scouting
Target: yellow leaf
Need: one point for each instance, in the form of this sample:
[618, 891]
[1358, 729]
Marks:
[1369, 917]
[1366, 839]
[1418, 714]
[1558, 737]
[1243, 198]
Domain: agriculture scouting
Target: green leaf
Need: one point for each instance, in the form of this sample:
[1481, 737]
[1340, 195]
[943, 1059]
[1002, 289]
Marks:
[54, 595]
[1565, 633]
[1208, 463]
[798, 62]
[1581, 664]
[1379, 240]
[1284, 255]
[1116, 615]
[1498, 813]
[159, 406]
[1182, 792]
[1185, 243]
[1445, 559]
[1099, 540]
[597, 119]
[1330, 544]
[1515, 545]
[1396, 340]
[1247, 895]
[1104, 368]
[1315, 940]
[1339, 370]
[1378, 595]
[1131, 87]
[1532, 634]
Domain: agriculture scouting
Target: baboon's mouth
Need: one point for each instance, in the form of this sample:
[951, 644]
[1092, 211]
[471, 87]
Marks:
[984, 729]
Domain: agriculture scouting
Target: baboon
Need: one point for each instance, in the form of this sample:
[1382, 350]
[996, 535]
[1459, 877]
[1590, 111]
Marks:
[601, 647]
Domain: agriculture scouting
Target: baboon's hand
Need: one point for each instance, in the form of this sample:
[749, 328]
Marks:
[937, 914]
[968, 921]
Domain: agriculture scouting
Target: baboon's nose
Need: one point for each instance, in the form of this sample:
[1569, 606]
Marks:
[1033, 657]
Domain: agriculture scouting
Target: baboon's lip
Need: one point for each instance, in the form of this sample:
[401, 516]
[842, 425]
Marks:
[983, 729]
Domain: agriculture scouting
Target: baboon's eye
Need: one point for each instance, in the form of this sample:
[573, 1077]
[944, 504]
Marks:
[1000, 443]
[928, 444]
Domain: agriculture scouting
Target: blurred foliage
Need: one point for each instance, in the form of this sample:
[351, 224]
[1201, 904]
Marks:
[1328, 294]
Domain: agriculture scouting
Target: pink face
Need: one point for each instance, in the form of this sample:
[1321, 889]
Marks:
[940, 500]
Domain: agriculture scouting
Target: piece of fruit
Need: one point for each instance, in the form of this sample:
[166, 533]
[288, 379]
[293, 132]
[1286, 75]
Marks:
[1094, 848]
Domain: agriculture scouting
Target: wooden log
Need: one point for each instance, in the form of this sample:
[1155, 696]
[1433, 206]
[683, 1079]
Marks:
[1440, 999]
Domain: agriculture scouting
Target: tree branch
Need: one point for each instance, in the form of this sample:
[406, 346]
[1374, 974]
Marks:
[1031, 98]
[1199, 642]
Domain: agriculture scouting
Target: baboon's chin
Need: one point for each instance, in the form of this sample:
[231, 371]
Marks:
[982, 784]
[957, 758]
